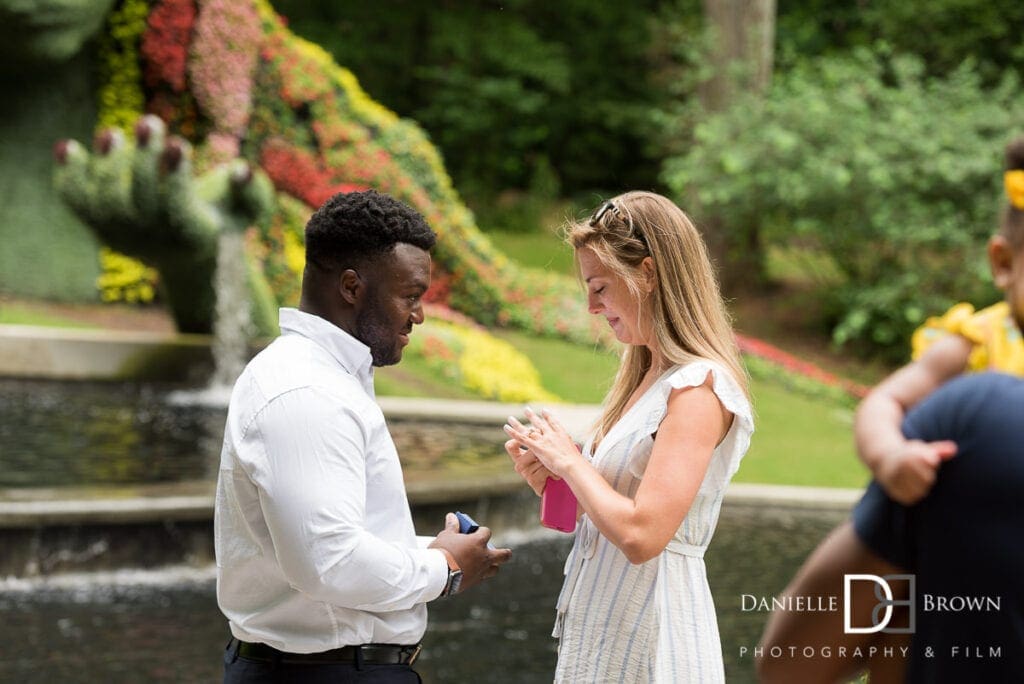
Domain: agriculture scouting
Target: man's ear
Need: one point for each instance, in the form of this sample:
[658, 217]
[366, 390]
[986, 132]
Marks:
[351, 286]
[648, 272]
[1000, 261]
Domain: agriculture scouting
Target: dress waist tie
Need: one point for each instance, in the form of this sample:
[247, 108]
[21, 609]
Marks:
[684, 549]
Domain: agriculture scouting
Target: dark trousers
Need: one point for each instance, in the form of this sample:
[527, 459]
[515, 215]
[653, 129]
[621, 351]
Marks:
[239, 670]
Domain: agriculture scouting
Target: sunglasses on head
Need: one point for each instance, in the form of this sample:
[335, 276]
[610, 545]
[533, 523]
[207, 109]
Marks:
[609, 205]
[604, 209]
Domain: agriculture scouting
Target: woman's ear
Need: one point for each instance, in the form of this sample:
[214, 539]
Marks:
[351, 286]
[649, 274]
[1000, 261]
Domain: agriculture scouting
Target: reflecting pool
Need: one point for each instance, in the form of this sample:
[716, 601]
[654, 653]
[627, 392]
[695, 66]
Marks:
[165, 626]
[89, 433]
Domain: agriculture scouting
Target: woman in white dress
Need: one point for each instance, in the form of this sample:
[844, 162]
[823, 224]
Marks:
[635, 606]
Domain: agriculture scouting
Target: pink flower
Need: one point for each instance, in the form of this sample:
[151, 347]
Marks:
[222, 60]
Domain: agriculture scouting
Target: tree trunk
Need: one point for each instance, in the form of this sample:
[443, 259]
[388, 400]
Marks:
[741, 57]
[742, 52]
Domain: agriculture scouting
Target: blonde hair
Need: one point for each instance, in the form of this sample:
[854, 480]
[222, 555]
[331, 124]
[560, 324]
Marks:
[688, 316]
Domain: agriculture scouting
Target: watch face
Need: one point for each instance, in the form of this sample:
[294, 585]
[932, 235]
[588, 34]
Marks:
[455, 581]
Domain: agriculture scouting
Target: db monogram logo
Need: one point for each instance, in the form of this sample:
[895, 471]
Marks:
[882, 612]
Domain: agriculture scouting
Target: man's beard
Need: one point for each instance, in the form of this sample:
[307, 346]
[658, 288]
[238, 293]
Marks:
[372, 331]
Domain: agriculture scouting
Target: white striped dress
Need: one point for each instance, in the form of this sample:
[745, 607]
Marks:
[654, 622]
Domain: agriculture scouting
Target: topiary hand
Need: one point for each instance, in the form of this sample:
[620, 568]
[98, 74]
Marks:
[144, 200]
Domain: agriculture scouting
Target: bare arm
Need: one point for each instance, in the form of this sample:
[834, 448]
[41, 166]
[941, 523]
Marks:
[906, 468]
[694, 423]
[821, 579]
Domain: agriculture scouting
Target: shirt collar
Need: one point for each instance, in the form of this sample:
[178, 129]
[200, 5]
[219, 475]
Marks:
[352, 354]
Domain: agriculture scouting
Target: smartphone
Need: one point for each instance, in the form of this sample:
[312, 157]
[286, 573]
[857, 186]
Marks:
[558, 506]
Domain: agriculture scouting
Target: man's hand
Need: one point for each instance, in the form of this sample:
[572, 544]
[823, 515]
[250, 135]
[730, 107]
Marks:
[477, 561]
[908, 474]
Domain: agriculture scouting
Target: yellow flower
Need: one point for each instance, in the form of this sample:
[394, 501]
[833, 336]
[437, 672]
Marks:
[1014, 181]
[294, 253]
[484, 364]
[124, 279]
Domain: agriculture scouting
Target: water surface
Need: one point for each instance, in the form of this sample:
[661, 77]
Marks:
[56, 434]
[167, 628]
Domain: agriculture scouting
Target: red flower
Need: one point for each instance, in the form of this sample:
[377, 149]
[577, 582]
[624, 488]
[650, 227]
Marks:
[300, 174]
[768, 352]
[440, 286]
[165, 43]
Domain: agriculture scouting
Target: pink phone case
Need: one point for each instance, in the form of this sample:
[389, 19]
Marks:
[558, 506]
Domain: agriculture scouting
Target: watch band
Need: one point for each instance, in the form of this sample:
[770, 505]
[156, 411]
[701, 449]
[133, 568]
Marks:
[451, 587]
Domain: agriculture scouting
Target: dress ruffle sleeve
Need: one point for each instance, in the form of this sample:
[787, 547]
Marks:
[728, 392]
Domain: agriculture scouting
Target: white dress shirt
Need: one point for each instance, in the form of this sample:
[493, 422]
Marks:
[314, 538]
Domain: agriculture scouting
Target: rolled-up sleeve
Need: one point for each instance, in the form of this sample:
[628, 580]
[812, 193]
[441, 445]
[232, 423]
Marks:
[311, 477]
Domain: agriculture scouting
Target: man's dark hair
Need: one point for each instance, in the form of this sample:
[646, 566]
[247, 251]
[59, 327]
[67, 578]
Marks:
[353, 227]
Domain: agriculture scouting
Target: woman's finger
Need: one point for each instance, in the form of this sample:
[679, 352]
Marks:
[552, 421]
[516, 429]
[538, 421]
[514, 422]
[514, 433]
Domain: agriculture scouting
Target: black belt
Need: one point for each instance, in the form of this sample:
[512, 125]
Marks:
[373, 654]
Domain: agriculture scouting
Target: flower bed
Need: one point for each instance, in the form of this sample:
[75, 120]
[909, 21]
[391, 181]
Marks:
[767, 361]
[230, 78]
[478, 361]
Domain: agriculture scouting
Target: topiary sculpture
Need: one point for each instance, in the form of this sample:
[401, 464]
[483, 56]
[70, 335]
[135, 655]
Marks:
[239, 89]
[144, 200]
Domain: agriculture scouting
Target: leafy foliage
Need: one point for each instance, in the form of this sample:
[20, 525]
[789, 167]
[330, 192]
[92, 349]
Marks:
[896, 175]
[985, 31]
[505, 89]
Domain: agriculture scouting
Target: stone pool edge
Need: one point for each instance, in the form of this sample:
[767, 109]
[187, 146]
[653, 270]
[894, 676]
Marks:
[26, 508]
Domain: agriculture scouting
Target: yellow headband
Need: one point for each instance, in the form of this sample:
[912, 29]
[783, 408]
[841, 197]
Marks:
[1014, 181]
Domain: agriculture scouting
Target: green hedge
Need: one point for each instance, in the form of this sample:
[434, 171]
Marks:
[45, 251]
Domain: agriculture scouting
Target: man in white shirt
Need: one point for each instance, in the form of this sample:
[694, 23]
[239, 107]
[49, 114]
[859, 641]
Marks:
[318, 567]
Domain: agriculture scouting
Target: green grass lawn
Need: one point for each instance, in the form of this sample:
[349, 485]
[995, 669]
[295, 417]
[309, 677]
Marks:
[412, 378]
[19, 314]
[577, 374]
[543, 250]
[801, 265]
[799, 440]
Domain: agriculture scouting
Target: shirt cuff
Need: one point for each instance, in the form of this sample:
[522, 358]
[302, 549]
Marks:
[437, 567]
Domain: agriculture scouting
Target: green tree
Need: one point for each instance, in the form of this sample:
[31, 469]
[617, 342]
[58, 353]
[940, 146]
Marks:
[892, 173]
[512, 89]
[943, 33]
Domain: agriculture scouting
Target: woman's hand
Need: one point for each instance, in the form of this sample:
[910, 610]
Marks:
[546, 441]
[527, 465]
